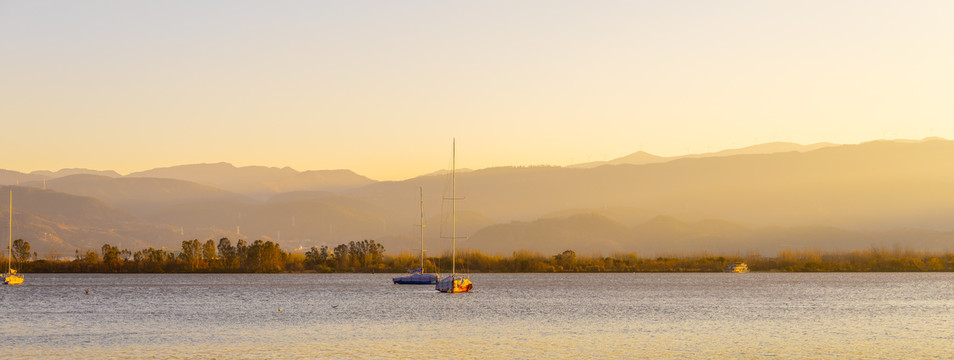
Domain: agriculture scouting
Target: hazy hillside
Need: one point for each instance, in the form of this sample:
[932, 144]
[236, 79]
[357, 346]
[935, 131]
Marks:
[553, 235]
[141, 195]
[8, 177]
[320, 180]
[259, 181]
[218, 173]
[663, 235]
[835, 197]
[877, 184]
[642, 158]
[628, 216]
[58, 223]
[766, 148]
[242, 180]
[874, 186]
[637, 158]
[67, 172]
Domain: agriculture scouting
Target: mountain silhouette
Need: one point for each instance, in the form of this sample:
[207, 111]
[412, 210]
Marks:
[890, 193]
[259, 182]
[642, 158]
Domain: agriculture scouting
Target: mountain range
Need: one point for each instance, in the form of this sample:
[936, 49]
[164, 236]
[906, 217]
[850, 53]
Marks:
[762, 198]
[641, 157]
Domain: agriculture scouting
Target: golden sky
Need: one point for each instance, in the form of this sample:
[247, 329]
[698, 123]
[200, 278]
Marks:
[382, 87]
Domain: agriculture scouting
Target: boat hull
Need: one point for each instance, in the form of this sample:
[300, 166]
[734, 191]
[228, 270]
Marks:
[454, 284]
[10, 279]
[738, 268]
[416, 279]
[415, 282]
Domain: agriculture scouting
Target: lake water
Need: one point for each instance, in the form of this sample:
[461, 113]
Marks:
[780, 315]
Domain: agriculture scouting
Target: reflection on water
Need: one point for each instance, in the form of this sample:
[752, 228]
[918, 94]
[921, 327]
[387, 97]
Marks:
[830, 315]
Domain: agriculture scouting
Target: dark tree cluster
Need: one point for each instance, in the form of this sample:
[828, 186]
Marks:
[355, 256]
[193, 256]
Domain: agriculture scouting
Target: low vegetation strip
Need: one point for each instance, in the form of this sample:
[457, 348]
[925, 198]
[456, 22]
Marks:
[368, 256]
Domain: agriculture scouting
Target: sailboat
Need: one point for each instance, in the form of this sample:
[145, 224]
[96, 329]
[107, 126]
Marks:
[11, 277]
[418, 276]
[454, 283]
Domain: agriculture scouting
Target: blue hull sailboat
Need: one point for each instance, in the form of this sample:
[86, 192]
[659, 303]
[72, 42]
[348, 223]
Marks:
[418, 276]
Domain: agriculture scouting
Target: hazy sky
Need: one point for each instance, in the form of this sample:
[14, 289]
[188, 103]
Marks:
[381, 87]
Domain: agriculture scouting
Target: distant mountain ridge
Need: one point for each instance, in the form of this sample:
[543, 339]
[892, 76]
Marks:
[833, 197]
[642, 158]
[67, 172]
[259, 181]
[141, 195]
[264, 181]
[9, 177]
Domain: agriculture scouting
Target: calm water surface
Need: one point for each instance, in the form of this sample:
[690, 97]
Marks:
[755, 315]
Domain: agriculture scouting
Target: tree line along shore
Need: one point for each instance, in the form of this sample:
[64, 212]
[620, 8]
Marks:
[368, 256]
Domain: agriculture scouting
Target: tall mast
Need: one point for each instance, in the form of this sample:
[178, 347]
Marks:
[422, 230]
[10, 249]
[453, 207]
